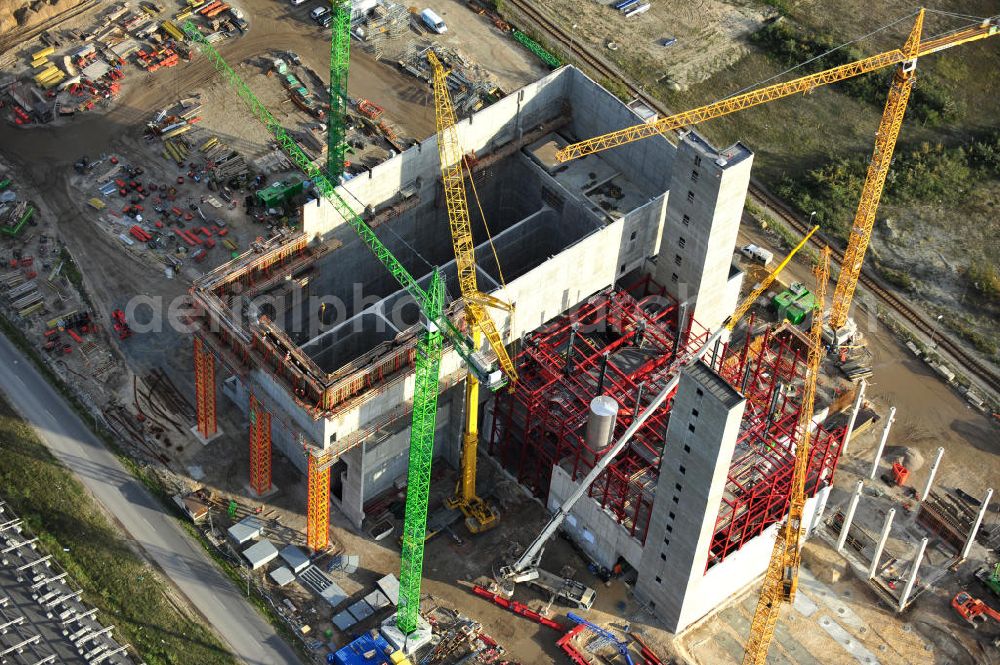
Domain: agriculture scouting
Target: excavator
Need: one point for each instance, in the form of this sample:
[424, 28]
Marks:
[479, 514]
[973, 610]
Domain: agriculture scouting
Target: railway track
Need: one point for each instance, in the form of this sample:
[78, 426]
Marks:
[972, 364]
[20, 36]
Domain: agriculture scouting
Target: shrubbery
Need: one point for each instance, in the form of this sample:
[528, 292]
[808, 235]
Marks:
[929, 102]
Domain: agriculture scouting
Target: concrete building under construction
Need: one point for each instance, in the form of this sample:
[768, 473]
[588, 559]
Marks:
[611, 284]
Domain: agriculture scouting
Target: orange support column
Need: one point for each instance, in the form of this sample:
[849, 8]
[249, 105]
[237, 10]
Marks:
[318, 510]
[204, 383]
[260, 447]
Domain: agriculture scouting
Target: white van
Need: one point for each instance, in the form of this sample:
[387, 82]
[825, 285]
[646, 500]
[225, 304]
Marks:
[433, 21]
[758, 254]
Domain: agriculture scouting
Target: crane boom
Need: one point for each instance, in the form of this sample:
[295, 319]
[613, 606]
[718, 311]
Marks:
[453, 178]
[461, 342]
[781, 578]
[532, 555]
[756, 97]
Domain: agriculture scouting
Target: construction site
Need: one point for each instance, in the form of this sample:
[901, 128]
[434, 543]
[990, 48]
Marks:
[528, 388]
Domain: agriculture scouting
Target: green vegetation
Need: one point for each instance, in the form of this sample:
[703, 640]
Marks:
[70, 270]
[925, 173]
[71, 527]
[930, 103]
[985, 279]
[897, 278]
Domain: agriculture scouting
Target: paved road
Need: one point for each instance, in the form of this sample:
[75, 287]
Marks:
[248, 635]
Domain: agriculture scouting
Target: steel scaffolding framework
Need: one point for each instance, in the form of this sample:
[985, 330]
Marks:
[318, 501]
[204, 385]
[542, 422]
[260, 447]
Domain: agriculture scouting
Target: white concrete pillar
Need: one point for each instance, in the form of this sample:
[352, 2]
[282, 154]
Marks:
[930, 476]
[976, 525]
[913, 576]
[853, 506]
[881, 542]
[881, 445]
[854, 416]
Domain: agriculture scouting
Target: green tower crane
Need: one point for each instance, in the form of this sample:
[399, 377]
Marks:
[438, 328]
[336, 120]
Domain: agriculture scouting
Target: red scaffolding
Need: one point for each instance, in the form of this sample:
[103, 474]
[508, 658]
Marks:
[623, 343]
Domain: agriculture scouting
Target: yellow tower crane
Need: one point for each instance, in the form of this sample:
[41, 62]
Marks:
[479, 514]
[781, 578]
[885, 138]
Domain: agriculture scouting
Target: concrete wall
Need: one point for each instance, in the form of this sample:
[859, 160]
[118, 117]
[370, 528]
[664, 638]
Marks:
[701, 437]
[374, 466]
[708, 188]
[592, 527]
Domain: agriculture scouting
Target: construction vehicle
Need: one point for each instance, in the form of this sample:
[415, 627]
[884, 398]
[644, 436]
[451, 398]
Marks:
[990, 579]
[782, 575]
[437, 328]
[527, 567]
[480, 515]
[904, 59]
[973, 610]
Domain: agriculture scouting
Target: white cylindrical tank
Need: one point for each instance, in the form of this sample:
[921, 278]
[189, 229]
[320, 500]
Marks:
[601, 422]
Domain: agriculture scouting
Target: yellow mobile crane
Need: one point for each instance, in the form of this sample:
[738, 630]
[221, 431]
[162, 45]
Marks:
[479, 514]
[885, 137]
[781, 578]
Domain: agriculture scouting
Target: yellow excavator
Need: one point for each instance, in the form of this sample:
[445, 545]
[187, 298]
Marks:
[480, 515]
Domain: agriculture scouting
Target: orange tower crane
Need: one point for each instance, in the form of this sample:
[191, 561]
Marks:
[885, 141]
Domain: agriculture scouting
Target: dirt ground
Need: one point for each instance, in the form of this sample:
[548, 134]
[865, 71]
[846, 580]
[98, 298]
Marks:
[709, 35]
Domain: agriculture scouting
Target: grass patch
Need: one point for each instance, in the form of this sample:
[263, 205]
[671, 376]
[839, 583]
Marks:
[71, 527]
[928, 172]
[150, 481]
[70, 269]
[930, 103]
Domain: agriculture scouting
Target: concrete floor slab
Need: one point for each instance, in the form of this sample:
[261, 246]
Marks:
[827, 596]
[844, 639]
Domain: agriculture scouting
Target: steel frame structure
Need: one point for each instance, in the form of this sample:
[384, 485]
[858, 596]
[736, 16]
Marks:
[562, 367]
[541, 423]
[204, 386]
[260, 447]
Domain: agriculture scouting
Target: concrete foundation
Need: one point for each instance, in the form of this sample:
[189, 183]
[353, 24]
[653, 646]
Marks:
[408, 644]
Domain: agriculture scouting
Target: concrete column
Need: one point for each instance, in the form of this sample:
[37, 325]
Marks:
[854, 416]
[853, 506]
[881, 542]
[913, 576]
[881, 445]
[930, 476]
[976, 525]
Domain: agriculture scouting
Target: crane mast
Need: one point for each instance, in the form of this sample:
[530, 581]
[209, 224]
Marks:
[781, 578]
[479, 514]
[878, 169]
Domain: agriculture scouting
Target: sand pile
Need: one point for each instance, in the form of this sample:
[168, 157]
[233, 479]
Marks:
[15, 14]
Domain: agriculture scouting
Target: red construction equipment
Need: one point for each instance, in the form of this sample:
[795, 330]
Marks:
[121, 324]
[566, 644]
[899, 474]
[517, 608]
[973, 610]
